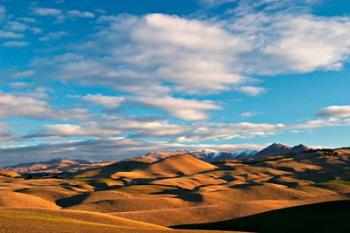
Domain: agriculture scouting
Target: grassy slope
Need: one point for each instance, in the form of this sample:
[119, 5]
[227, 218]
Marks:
[34, 221]
[322, 217]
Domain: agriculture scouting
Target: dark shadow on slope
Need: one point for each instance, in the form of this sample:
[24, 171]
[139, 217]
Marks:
[71, 201]
[322, 217]
[185, 195]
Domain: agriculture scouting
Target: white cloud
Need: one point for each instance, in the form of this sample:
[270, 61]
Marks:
[64, 130]
[27, 20]
[5, 134]
[16, 26]
[185, 109]
[173, 56]
[23, 74]
[190, 55]
[42, 11]
[16, 44]
[317, 123]
[109, 126]
[251, 90]
[80, 14]
[53, 36]
[105, 101]
[292, 42]
[221, 131]
[214, 3]
[335, 111]
[248, 114]
[10, 35]
[30, 107]
[166, 54]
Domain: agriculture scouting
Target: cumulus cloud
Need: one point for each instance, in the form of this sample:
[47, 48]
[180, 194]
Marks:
[65, 130]
[251, 90]
[80, 14]
[214, 3]
[53, 36]
[221, 131]
[16, 44]
[335, 111]
[10, 35]
[166, 54]
[191, 55]
[5, 134]
[185, 109]
[292, 43]
[30, 107]
[105, 101]
[42, 11]
[16, 26]
[110, 126]
[200, 57]
[248, 114]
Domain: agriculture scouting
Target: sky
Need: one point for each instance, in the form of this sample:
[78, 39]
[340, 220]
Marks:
[110, 79]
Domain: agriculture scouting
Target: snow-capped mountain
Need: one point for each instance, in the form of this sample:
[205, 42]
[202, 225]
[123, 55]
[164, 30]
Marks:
[214, 156]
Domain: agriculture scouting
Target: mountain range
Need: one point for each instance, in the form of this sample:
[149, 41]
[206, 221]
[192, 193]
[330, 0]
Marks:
[59, 165]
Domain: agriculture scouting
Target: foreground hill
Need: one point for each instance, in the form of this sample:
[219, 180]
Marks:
[322, 217]
[34, 221]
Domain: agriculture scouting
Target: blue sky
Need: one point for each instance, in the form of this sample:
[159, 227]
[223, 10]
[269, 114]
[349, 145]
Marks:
[111, 79]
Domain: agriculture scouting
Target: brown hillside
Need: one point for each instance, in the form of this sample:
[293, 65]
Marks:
[173, 166]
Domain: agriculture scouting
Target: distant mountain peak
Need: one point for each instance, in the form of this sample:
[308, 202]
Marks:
[300, 148]
[274, 149]
[214, 156]
[273, 145]
[281, 149]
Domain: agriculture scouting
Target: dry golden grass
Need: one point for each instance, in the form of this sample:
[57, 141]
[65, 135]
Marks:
[293, 166]
[10, 174]
[169, 167]
[130, 204]
[146, 189]
[19, 200]
[189, 182]
[15, 221]
[49, 193]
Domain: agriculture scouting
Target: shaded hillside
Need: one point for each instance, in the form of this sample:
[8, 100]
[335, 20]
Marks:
[34, 221]
[322, 217]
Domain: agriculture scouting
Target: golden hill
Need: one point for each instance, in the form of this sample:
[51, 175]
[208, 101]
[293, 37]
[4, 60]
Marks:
[173, 166]
[34, 221]
[20, 200]
[9, 173]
